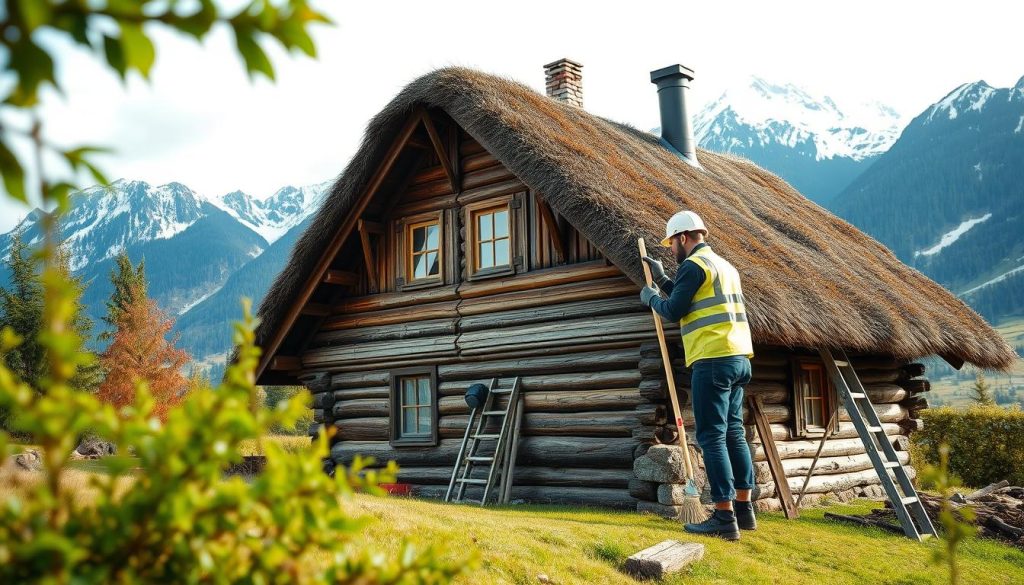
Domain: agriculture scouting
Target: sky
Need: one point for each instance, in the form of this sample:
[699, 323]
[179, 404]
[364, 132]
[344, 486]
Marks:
[202, 122]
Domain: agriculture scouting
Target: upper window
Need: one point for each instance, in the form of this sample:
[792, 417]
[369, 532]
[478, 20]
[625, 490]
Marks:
[424, 250]
[414, 407]
[491, 237]
[814, 398]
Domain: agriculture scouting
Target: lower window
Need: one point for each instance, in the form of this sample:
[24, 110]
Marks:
[414, 407]
[814, 399]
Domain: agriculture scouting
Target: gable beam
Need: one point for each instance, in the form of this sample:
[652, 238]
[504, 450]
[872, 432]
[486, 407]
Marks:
[442, 155]
[371, 264]
[339, 238]
[552, 224]
[340, 277]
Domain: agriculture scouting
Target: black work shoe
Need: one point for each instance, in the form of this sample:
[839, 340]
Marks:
[721, 523]
[745, 518]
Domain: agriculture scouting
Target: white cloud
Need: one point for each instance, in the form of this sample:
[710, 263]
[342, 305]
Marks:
[203, 123]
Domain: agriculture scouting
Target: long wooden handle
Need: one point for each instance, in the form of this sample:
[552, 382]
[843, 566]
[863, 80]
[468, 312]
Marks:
[667, 361]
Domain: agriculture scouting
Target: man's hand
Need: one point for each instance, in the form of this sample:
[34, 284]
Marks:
[647, 293]
[657, 271]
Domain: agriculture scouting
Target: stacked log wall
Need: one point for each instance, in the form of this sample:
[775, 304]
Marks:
[571, 331]
[896, 389]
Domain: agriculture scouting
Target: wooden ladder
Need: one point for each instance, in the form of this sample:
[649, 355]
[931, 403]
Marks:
[501, 462]
[906, 503]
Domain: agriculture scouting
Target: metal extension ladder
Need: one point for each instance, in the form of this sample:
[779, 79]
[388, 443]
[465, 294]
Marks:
[501, 463]
[907, 504]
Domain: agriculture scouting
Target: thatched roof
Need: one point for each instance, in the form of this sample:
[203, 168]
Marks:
[810, 278]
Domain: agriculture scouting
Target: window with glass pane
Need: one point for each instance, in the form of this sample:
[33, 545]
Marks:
[416, 407]
[811, 389]
[493, 242]
[424, 250]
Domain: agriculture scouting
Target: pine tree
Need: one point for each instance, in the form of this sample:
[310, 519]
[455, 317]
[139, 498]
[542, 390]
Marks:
[982, 390]
[21, 309]
[126, 279]
[140, 351]
[86, 378]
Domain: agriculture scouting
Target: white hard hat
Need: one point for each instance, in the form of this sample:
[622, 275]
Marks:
[684, 221]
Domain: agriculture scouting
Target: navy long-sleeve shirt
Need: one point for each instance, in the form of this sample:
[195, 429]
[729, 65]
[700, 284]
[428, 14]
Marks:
[680, 293]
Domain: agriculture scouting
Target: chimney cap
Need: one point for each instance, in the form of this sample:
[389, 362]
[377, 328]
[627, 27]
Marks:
[671, 72]
[563, 60]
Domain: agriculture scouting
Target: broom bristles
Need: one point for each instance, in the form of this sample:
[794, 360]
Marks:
[692, 511]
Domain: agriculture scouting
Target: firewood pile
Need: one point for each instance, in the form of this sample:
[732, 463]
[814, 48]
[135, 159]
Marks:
[998, 512]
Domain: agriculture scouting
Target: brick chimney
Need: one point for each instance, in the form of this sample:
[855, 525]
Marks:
[564, 81]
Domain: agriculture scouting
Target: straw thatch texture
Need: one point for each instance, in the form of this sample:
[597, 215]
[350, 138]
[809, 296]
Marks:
[809, 278]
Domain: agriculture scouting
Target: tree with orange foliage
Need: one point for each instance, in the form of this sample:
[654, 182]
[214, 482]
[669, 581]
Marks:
[140, 351]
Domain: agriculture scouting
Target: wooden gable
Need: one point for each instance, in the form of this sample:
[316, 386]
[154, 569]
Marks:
[433, 167]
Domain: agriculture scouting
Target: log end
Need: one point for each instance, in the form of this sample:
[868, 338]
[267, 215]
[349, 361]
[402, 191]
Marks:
[668, 556]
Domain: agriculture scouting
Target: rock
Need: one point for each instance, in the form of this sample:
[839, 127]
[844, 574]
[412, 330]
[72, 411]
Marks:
[643, 490]
[93, 448]
[542, 578]
[671, 494]
[667, 512]
[661, 464]
[30, 460]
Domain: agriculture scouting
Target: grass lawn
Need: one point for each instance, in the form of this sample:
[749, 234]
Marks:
[581, 545]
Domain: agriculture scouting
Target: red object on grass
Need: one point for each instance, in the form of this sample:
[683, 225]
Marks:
[397, 489]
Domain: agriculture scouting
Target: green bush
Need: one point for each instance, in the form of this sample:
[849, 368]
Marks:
[986, 443]
[178, 519]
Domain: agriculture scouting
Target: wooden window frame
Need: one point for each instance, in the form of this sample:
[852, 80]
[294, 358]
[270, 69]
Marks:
[395, 422]
[513, 206]
[403, 231]
[829, 398]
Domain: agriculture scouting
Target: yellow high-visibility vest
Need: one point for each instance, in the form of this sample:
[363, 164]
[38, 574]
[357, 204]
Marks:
[716, 325]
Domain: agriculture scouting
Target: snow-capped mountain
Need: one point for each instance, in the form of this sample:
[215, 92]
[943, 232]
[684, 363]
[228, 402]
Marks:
[811, 141]
[104, 220]
[948, 197]
[191, 244]
[274, 216]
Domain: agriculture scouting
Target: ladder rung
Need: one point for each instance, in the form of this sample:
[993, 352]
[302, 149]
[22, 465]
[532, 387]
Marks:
[479, 458]
[870, 429]
[856, 395]
[842, 364]
[501, 391]
[908, 500]
[890, 464]
[487, 436]
[471, 480]
[495, 412]
[469, 501]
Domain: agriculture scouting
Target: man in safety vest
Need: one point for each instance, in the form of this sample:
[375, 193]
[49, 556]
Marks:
[707, 301]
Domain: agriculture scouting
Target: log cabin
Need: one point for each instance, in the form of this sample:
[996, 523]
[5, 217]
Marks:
[485, 230]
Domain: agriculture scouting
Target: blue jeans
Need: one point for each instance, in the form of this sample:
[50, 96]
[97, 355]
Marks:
[717, 388]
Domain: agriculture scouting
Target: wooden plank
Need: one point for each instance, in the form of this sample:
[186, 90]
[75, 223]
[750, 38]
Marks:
[285, 362]
[555, 401]
[551, 313]
[549, 294]
[329, 253]
[664, 558]
[341, 277]
[567, 451]
[371, 265]
[554, 232]
[556, 363]
[386, 332]
[394, 300]
[368, 352]
[442, 153]
[411, 314]
[774, 463]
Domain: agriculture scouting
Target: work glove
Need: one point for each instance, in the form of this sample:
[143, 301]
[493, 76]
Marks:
[657, 271]
[647, 293]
